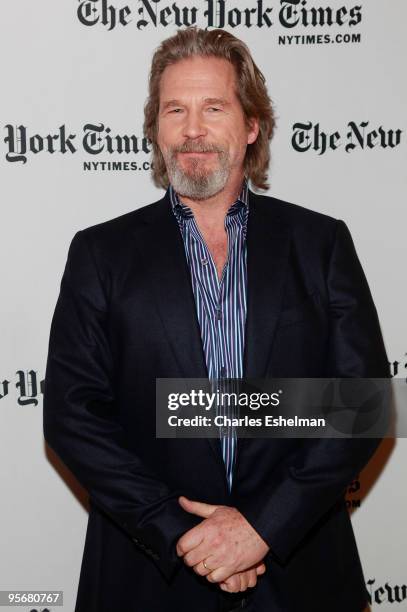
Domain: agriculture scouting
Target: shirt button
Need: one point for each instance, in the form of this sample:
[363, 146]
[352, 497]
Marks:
[218, 314]
[223, 371]
[204, 261]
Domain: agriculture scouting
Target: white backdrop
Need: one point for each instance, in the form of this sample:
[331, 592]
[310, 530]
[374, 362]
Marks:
[61, 73]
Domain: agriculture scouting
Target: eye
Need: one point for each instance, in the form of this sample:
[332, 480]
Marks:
[214, 108]
[175, 110]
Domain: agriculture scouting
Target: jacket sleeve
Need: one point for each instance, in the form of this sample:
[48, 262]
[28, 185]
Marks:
[80, 418]
[321, 470]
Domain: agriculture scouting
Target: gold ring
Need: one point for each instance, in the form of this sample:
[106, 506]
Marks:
[206, 567]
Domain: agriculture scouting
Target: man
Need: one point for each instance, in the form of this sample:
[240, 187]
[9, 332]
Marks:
[212, 280]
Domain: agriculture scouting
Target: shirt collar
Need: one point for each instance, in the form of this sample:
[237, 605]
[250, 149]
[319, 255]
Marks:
[182, 211]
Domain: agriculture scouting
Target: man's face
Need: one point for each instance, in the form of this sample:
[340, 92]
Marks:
[202, 133]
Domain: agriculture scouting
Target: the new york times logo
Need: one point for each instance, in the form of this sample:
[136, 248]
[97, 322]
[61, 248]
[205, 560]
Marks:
[97, 139]
[386, 593]
[216, 14]
[28, 386]
[308, 136]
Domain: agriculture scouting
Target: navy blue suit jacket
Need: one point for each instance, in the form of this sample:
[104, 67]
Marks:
[126, 315]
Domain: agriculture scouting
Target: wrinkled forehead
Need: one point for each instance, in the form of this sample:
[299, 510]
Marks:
[198, 78]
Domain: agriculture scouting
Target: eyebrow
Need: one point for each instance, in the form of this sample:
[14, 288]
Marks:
[170, 103]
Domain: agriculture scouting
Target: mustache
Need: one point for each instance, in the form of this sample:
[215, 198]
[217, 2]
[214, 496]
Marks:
[197, 148]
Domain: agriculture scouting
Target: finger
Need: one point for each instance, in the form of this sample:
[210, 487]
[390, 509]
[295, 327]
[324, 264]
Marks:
[232, 583]
[190, 540]
[195, 507]
[220, 574]
[198, 555]
[243, 581]
[260, 569]
[200, 569]
[252, 579]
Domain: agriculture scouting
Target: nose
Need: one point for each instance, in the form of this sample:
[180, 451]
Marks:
[194, 125]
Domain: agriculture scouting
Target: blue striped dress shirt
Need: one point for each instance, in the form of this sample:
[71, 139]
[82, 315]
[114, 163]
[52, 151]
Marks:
[221, 304]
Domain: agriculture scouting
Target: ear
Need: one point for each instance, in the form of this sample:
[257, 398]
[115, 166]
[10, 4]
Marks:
[253, 129]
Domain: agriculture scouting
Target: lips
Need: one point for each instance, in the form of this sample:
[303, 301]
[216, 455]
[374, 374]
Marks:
[196, 154]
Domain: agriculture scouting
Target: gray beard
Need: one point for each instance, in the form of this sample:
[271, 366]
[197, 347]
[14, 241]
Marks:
[195, 183]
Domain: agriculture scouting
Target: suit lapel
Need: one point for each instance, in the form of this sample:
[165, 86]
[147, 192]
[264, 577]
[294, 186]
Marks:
[162, 249]
[268, 245]
[268, 241]
[161, 246]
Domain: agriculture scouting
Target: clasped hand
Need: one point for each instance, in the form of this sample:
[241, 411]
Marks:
[224, 547]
